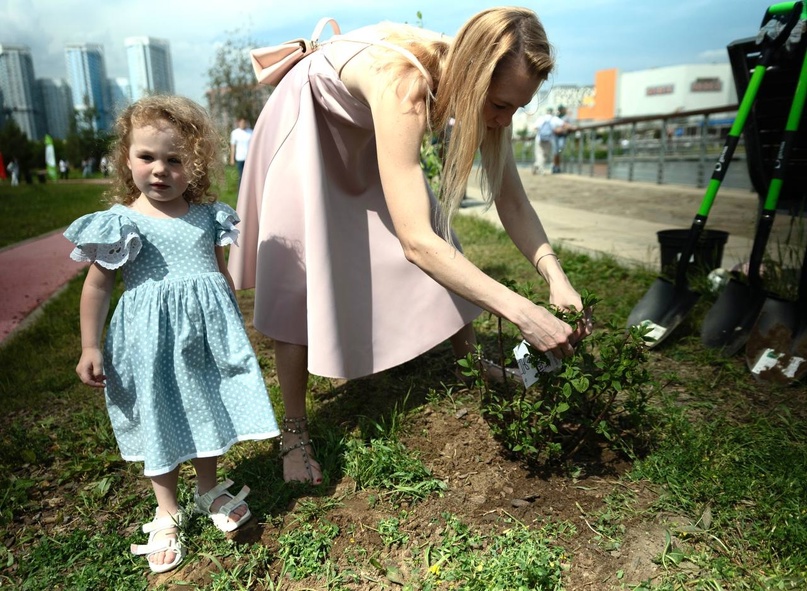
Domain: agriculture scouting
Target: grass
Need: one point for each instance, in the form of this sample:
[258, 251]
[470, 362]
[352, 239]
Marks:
[725, 476]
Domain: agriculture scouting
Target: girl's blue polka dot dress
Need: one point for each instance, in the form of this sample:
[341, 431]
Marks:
[182, 378]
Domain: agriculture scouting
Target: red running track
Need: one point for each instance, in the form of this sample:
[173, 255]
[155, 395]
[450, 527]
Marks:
[30, 273]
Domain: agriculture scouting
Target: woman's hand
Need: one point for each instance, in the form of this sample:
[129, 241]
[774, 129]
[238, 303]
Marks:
[90, 368]
[564, 297]
[544, 331]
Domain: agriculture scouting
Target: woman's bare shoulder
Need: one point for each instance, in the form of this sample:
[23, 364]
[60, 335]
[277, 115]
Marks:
[376, 69]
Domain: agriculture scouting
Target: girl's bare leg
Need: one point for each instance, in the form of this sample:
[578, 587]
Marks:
[165, 490]
[206, 480]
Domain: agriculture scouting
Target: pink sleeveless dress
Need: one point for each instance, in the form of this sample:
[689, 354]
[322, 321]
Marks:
[317, 242]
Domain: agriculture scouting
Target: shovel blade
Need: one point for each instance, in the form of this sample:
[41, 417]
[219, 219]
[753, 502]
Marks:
[777, 346]
[728, 323]
[662, 309]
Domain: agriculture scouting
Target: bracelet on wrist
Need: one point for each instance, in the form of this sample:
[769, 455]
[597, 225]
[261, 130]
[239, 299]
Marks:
[543, 256]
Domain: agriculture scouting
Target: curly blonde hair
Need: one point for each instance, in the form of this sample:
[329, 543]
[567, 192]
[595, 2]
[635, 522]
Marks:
[462, 71]
[201, 147]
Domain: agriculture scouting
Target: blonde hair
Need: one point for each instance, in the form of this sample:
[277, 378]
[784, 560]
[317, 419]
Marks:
[462, 70]
[200, 146]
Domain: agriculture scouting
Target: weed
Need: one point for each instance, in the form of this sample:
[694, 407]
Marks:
[391, 534]
[519, 557]
[387, 465]
[306, 549]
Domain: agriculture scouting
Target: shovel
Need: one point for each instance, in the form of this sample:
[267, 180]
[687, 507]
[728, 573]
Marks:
[777, 346]
[728, 323]
[667, 302]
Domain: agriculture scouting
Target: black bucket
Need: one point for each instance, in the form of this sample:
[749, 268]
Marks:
[707, 255]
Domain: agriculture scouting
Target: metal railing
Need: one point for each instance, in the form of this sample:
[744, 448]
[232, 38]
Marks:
[673, 148]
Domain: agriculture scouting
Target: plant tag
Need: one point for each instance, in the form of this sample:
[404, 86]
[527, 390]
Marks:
[769, 359]
[656, 330]
[530, 365]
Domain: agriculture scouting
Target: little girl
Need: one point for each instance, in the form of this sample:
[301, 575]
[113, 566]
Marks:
[182, 381]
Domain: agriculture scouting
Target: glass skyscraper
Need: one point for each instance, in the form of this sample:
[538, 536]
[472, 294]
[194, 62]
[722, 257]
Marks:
[19, 91]
[86, 74]
[58, 103]
[150, 67]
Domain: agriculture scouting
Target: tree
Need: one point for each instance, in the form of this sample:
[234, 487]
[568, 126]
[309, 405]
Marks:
[15, 144]
[234, 91]
[83, 140]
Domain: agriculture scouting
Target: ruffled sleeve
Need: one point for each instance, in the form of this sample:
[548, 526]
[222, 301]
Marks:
[104, 237]
[226, 219]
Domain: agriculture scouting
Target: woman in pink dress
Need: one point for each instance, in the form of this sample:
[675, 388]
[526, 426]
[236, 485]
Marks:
[354, 266]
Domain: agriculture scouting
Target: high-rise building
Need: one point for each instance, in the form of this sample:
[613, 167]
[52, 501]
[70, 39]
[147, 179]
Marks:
[120, 93]
[19, 90]
[86, 74]
[150, 68]
[58, 106]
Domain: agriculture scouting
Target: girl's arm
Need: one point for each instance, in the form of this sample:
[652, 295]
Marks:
[400, 123]
[94, 307]
[223, 267]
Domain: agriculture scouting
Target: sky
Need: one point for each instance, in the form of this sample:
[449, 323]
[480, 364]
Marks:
[588, 35]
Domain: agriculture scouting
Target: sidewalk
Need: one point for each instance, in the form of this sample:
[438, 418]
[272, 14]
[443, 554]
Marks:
[627, 237]
[31, 273]
[594, 216]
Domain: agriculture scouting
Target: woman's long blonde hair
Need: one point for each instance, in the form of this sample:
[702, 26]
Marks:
[462, 71]
[201, 148]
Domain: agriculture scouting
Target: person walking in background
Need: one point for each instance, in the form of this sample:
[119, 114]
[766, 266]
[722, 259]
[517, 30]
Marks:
[544, 143]
[354, 264]
[63, 168]
[104, 165]
[13, 169]
[239, 145]
[560, 128]
[182, 381]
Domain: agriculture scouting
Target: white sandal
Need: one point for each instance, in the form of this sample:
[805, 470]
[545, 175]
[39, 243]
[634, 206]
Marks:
[221, 518]
[153, 546]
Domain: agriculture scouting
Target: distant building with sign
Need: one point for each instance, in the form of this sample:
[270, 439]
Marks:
[674, 88]
[656, 91]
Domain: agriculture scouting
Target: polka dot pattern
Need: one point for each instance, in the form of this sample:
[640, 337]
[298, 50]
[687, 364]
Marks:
[182, 378]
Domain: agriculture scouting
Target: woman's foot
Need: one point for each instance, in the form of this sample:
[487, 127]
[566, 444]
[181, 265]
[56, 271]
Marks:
[299, 464]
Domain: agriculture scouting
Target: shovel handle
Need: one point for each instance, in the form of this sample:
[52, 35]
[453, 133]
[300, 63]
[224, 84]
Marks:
[733, 137]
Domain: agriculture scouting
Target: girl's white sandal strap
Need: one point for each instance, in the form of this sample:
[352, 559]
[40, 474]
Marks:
[153, 546]
[221, 518]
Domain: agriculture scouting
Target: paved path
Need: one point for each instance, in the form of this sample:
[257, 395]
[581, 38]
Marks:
[591, 215]
[30, 273]
[622, 219]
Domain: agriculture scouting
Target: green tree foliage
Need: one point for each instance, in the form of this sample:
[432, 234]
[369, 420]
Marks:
[234, 91]
[15, 144]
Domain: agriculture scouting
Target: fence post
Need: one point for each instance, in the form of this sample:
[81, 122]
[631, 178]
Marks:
[610, 155]
[632, 151]
[592, 146]
[662, 152]
[700, 181]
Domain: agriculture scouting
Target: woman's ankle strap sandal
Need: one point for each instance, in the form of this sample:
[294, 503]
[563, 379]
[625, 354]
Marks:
[298, 426]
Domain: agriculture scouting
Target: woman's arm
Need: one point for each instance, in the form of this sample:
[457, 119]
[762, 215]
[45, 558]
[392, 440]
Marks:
[522, 224]
[93, 309]
[400, 123]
